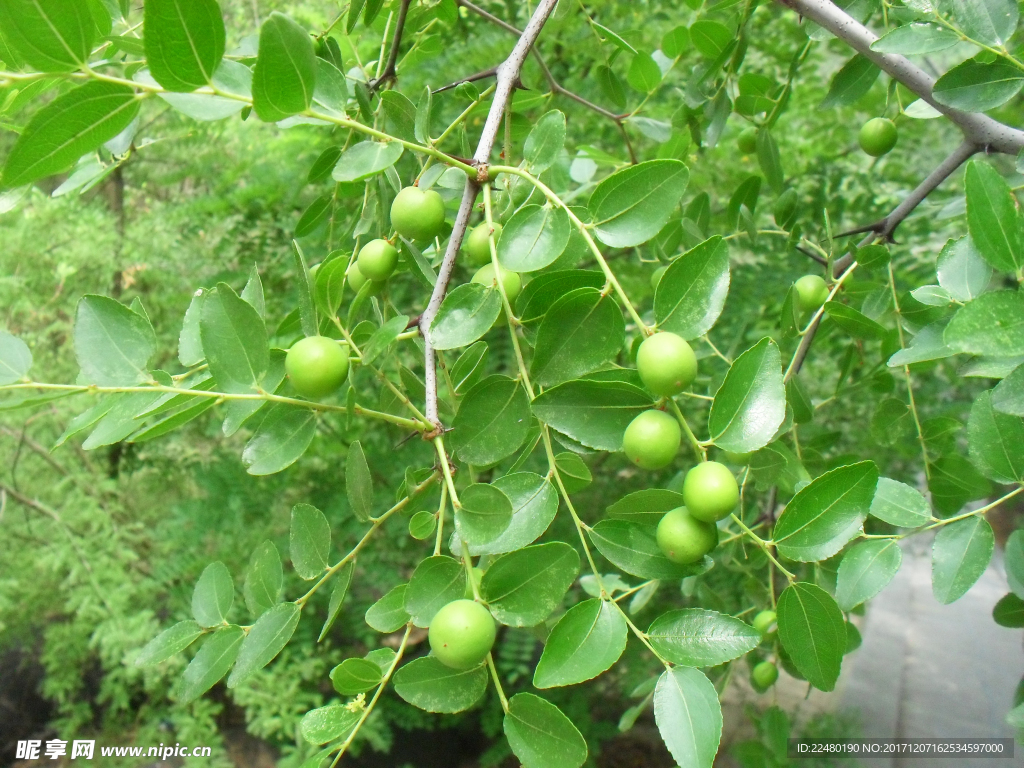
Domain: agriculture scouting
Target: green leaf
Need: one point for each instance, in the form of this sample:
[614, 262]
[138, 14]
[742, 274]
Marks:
[388, 614]
[586, 641]
[694, 637]
[401, 114]
[541, 736]
[213, 595]
[285, 74]
[534, 505]
[430, 685]
[826, 514]
[770, 161]
[992, 324]
[689, 716]
[953, 482]
[545, 142]
[328, 723]
[354, 676]
[710, 38]
[594, 413]
[1008, 395]
[582, 331]
[574, 472]
[544, 290]
[282, 438]
[424, 109]
[309, 541]
[960, 554]
[866, 570]
[1009, 612]
[171, 641]
[534, 238]
[234, 340]
[993, 218]
[996, 442]
[633, 548]
[366, 159]
[1013, 561]
[238, 412]
[647, 506]
[916, 39]
[213, 661]
[961, 269]
[307, 304]
[522, 588]
[492, 421]
[15, 358]
[851, 82]
[691, 293]
[928, 344]
[468, 369]
[466, 314]
[750, 405]
[976, 87]
[632, 205]
[383, 338]
[342, 580]
[113, 344]
[899, 504]
[436, 582]
[50, 35]
[314, 215]
[358, 483]
[813, 632]
[644, 73]
[264, 579]
[855, 323]
[184, 42]
[266, 638]
[485, 513]
[988, 21]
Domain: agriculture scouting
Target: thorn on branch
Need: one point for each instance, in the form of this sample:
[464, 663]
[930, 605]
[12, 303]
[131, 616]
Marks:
[389, 75]
[483, 75]
[812, 255]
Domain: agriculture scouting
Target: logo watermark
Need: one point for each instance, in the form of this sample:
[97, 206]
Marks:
[85, 749]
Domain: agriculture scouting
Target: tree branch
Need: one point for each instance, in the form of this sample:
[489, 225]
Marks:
[981, 130]
[507, 76]
[389, 73]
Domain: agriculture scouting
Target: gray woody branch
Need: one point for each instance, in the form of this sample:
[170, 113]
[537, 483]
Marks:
[507, 76]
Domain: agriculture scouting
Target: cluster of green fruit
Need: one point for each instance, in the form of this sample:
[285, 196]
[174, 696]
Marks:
[764, 674]
[478, 250]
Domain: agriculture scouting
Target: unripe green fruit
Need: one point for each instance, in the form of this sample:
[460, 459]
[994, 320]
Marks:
[509, 279]
[477, 245]
[656, 277]
[764, 675]
[377, 260]
[417, 215]
[764, 621]
[357, 279]
[652, 440]
[710, 491]
[461, 634]
[747, 141]
[316, 366]
[878, 136]
[666, 364]
[811, 292]
[683, 539]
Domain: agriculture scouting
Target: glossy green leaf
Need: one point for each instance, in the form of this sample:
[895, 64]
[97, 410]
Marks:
[285, 73]
[689, 716]
[366, 159]
[234, 340]
[358, 483]
[855, 323]
[992, 324]
[522, 588]
[691, 293]
[582, 331]
[851, 82]
[213, 595]
[595, 413]
[354, 676]
[492, 421]
[544, 290]
[585, 642]
[466, 314]
[534, 238]
[996, 441]
[928, 344]
[541, 736]
[309, 541]
[960, 554]
[266, 638]
[898, 504]
[50, 35]
[171, 641]
[542, 147]
[574, 472]
[750, 405]
[710, 37]
[15, 358]
[424, 113]
[1013, 561]
[1008, 395]
[436, 582]
[184, 42]
[215, 658]
[988, 21]
[632, 547]
[430, 685]
[813, 632]
[826, 514]
[961, 269]
[644, 75]
[113, 344]
[953, 482]
[325, 724]
[485, 514]
[342, 580]
[264, 579]
[631, 206]
[695, 637]
[469, 367]
[1009, 612]
[916, 39]
[993, 217]
[534, 505]
[976, 87]
[866, 570]
[238, 412]
[647, 506]
[280, 441]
